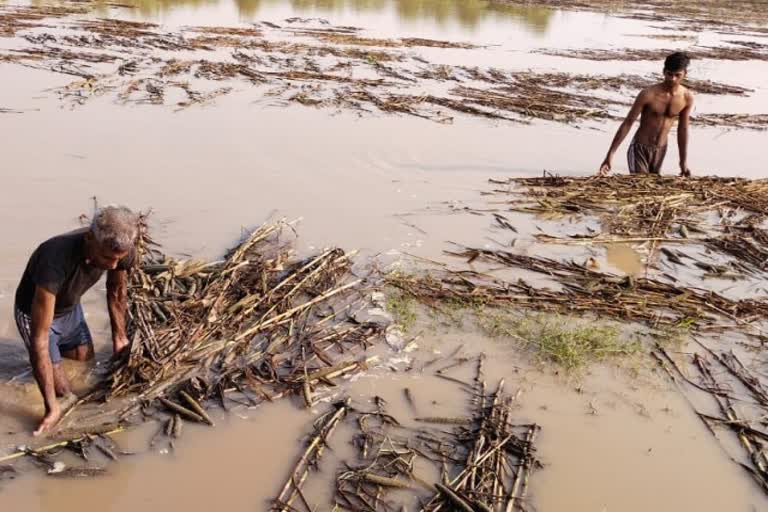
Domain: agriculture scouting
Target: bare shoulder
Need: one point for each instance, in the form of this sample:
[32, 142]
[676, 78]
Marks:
[689, 96]
[651, 90]
[646, 94]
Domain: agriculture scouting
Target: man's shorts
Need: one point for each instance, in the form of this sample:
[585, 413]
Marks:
[645, 159]
[67, 332]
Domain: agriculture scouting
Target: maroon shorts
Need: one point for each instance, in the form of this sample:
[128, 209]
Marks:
[645, 159]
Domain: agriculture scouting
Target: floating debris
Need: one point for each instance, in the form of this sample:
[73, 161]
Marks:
[727, 380]
[313, 67]
[583, 291]
[625, 82]
[323, 429]
[637, 206]
[651, 209]
[688, 14]
[635, 54]
[485, 461]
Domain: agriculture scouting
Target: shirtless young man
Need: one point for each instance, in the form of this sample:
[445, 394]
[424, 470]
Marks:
[658, 107]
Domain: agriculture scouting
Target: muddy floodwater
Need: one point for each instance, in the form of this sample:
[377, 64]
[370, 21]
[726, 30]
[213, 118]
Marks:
[390, 185]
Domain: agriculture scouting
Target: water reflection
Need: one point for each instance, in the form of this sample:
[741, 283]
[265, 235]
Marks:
[468, 13]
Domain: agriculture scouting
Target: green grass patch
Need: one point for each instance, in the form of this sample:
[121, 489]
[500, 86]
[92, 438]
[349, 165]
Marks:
[567, 342]
[402, 307]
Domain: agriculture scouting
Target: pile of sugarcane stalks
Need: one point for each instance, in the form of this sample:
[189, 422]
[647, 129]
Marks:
[637, 205]
[725, 216]
[477, 463]
[740, 398]
[581, 291]
[260, 323]
[499, 460]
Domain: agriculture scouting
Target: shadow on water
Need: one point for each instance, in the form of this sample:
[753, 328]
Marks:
[13, 358]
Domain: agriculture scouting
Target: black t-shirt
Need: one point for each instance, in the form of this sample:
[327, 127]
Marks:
[58, 265]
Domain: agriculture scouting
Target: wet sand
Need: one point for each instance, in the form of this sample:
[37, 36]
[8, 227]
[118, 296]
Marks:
[376, 183]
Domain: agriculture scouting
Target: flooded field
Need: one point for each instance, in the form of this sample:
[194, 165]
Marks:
[378, 124]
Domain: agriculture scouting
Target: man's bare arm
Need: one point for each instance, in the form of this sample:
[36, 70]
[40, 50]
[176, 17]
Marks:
[682, 137]
[623, 130]
[43, 305]
[117, 303]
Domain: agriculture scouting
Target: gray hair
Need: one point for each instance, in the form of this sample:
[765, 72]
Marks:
[115, 227]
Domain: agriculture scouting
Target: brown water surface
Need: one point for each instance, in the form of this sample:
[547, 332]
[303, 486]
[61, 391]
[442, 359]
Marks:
[602, 447]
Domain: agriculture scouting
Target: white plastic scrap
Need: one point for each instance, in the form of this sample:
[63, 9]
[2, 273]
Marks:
[58, 467]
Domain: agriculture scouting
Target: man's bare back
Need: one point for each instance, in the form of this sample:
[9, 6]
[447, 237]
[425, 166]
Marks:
[658, 107]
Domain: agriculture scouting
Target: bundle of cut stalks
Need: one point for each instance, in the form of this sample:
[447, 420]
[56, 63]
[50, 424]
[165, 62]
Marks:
[499, 459]
[261, 321]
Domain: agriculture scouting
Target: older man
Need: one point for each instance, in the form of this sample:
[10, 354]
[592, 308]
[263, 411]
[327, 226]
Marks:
[48, 312]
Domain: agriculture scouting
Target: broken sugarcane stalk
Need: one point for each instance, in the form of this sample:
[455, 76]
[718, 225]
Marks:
[183, 411]
[77, 433]
[326, 374]
[454, 498]
[307, 392]
[590, 241]
[444, 421]
[106, 450]
[199, 350]
[78, 472]
[520, 484]
[59, 444]
[169, 424]
[196, 407]
[385, 481]
[177, 426]
[283, 316]
[339, 370]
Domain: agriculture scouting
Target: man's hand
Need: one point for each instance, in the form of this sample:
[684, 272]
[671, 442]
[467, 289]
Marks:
[605, 168]
[685, 172]
[119, 344]
[51, 418]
